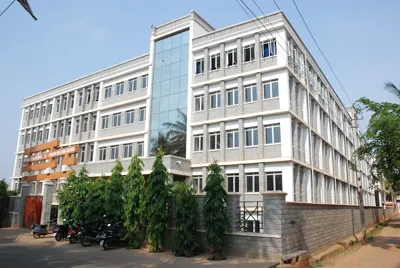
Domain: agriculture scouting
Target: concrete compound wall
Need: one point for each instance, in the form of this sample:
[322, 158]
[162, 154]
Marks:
[14, 214]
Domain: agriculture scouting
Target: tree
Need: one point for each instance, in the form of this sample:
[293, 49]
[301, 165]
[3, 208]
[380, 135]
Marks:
[393, 88]
[134, 205]
[176, 135]
[114, 191]
[157, 193]
[215, 211]
[3, 197]
[96, 200]
[72, 199]
[186, 208]
[160, 143]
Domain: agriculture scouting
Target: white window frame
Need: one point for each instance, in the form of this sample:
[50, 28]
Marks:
[251, 130]
[114, 152]
[252, 48]
[253, 93]
[72, 100]
[132, 85]
[270, 83]
[142, 114]
[82, 151]
[91, 153]
[200, 100]
[235, 183]
[129, 117]
[116, 121]
[198, 183]
[198, 141]
[270, 43]
[140, 148]
[85, 124]
[274, 174]
[102, 153]
[94, 119]
[77, 126]
[145, 81]
[234, 92]
[254, 180]
[119, 89]
[69, 125]
[104, 122]
[217, 62]
[233, 133]
[88, 96]
[217, 136]
[217, 97]
[201, 62]
[107, 92]
[80, 100]
[273, 126]
[234, 57]
[128, 150]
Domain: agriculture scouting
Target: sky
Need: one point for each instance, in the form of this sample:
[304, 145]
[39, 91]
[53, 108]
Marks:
[74, 38]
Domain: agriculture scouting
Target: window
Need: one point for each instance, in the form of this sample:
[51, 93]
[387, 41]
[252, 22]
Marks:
[129, 117]
[251, 93]
[251, 136]
[200, 66]
[96, 93]
[116, 120]
[58, 105]
[140, 148]
[248, 53]
[214, 140]
[233, 183]
[198, 143]
[82, 154]
[34, 136]
[271, 89]
[127, 150]
[107, 92]
[114, 152]
[104, 122]
[268, 48]
[85, 124]
[43, 110]
[233, 97]
[145, 80]
[61, 129]
[50, 109]
[68, 129]
[28, 138]
[132, 85]
[65, 103]
[77, 127]
[94, 120]
[72, 101]
[253, 184]
[54, 131]
[119, 89]
[231, 57]
[274, 181]
[273, 133]
[91, 153]
[80, 98]
[37, 112]
[215, 62]
[88, 95]
[215, 100]
[46, 134]
[22, 139]
[198, 183]
[102, 153]
[232, 138]
[30, 114]
[199, 103]
[142, 114]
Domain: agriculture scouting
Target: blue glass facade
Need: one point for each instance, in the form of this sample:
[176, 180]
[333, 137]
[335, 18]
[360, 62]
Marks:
[170, 82]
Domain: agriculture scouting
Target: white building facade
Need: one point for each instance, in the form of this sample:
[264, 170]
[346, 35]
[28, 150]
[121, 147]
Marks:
[255, 100]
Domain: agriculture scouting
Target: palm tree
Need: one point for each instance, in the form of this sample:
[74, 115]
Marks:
[161, 142]
[393, 88]
[176, 135]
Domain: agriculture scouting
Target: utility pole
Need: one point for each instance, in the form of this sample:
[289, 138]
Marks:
[361, 203]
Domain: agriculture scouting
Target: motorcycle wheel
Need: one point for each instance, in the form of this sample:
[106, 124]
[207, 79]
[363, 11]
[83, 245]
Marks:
[58, 237]
[86, 241]
[106, 245]
[36, 235]
[72, 240]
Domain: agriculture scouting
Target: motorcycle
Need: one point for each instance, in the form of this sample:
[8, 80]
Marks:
[61, 231]
[90, 235]
[75, 233]
[114, 237]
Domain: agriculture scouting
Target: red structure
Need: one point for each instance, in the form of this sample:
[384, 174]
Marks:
[33, 210]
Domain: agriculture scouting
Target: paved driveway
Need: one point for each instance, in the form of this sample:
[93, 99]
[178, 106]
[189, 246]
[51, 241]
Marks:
[19, 249]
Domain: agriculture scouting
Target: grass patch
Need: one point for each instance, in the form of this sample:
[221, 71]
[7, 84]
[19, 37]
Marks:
[377, 230]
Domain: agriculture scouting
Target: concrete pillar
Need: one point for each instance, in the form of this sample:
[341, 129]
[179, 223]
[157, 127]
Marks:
[233, 211]
[25, 190]
[222, 140]
[206, 64]
[240, 95]
[222, 59]
[47, 201]
[274, 204]
[239, 55]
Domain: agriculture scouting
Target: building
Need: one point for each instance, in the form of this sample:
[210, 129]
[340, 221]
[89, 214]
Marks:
[254, 97]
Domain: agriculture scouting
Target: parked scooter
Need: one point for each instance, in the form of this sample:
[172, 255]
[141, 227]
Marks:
[61, 231]
[90, 235]
[41, 229]
[74, 233]
[115, 237]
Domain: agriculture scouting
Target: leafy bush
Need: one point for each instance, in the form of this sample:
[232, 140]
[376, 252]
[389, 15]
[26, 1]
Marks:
[114, 203]
[186, 207]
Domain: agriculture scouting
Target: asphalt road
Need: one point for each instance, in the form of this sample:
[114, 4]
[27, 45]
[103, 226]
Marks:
[19, 249]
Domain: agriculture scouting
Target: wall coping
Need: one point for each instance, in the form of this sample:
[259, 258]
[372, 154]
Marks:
[234, 194]
[279, 193]
[244, 234]
[326, 205]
